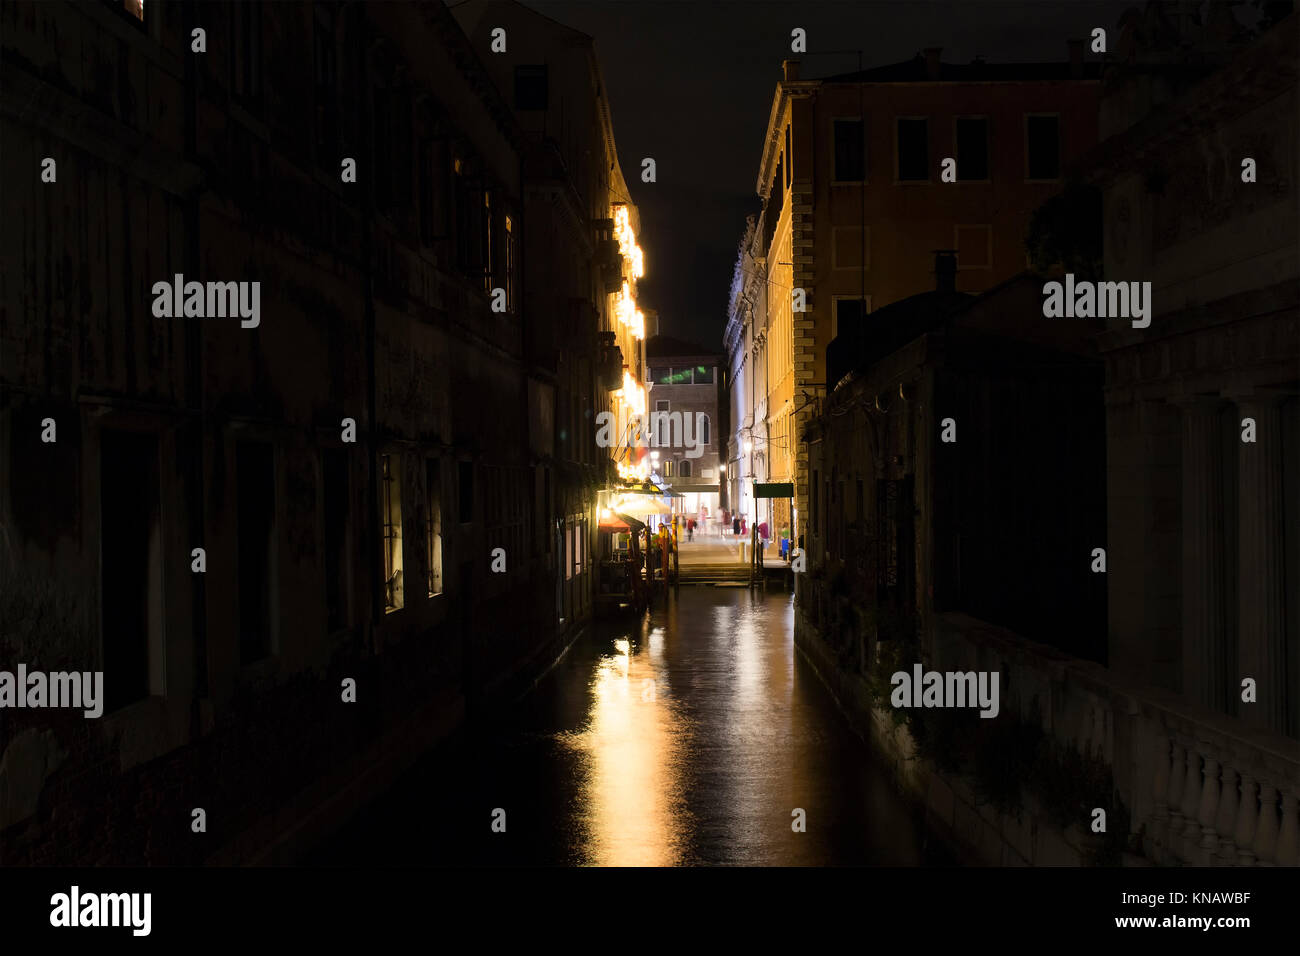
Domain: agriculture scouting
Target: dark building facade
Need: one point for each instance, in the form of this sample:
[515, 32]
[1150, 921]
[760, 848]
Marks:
[1101, 511]
[303, 544]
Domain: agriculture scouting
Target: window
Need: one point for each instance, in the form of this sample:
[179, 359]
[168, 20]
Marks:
[433, 525]
[849, 314]
[663, 424]
[847, 249]
[579, 535]
[424, 175]
[850, 151]
[974, 245]
[327, 91]
[913, 150]
[486, 232]
[466, 220]
[668, 468]
[685, 471]
[131, 584]
[246, 51]
[972, 148]
[704, 430]
[381, 119]
[568, 551]
[531, 87]
[704, 375]
[336, 502]
[391, 490]
[255, 504]
[681, 376]
[465, 491]
[134, 7]
[1042, 147]
[510, 264]
[812, 491]
[661, 376]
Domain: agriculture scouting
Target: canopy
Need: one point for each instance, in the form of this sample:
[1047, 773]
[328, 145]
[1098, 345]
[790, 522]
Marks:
[630, 522]
[651, 506]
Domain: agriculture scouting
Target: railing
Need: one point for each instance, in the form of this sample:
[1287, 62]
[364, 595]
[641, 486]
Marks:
[1202, 788]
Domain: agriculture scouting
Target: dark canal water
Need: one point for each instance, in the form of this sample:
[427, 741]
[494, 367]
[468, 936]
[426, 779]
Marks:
[687, 737]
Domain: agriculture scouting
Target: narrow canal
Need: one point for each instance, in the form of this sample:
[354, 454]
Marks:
[688, 737]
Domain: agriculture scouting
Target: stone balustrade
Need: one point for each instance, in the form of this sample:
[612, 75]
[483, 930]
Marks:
[1202, 788]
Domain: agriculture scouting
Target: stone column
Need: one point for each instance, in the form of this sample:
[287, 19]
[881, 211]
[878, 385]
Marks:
[1207, 813]
[1226, 822]
[1266, 832]
[1191, 836]
[1247, 819]
[1261, 636]
[1203, 554]
[1288, 838]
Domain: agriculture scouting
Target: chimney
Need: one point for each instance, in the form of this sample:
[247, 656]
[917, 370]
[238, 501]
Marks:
[790, 70]
[1076, 59]
[945, 270]
[932, 62]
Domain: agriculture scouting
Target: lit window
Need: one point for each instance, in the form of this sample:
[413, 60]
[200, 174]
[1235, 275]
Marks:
[510, 265]
[392, 499]
[433, 525]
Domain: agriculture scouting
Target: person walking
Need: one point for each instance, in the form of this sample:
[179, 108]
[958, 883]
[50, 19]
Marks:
[735, 526]
[690, 529]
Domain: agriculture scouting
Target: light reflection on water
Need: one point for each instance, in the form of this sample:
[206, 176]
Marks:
[685, 737]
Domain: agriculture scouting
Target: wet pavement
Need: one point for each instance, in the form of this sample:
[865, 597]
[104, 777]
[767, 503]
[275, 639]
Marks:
[688, 736]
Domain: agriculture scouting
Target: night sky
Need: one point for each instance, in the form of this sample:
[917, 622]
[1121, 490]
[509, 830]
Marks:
[691, 85]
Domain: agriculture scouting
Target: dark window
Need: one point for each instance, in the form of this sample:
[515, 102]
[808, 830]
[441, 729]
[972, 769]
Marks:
[255, 503]
[1042, 134]
[337, 511]
[703, 375]
[812, 489]
[465, 490]
[246, 51]
[913, 149]
[849, 314]
[850, 151]
[485, 231]
[661, 375]
[327, 87]
[685, 469]
[424, 175]
[531, 87]
[704, 430]
[383, 130]
[973, 149]
[466, 218]
[131, 565]
[401, 149]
